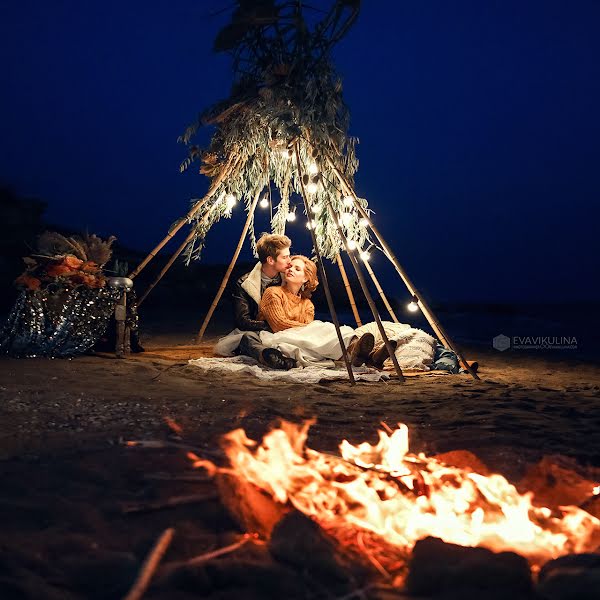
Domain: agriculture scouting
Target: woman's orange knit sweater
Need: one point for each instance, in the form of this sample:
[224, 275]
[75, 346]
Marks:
[282, 309]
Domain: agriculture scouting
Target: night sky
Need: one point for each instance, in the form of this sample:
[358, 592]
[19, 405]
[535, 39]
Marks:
[479, 128]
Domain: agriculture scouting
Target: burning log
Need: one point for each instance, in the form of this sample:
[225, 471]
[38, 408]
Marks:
[253, 510]
[293, 538]
[463, 459]
[559, 481]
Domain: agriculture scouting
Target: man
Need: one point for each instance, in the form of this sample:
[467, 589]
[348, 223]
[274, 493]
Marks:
[274, 255]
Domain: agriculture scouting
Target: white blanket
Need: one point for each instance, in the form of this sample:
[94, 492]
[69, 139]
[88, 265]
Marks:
[313, 344]
[415, 349]
[311, 374]
[317, 343]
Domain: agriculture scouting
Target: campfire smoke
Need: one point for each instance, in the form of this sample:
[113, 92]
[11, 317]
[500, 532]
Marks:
[386, 493]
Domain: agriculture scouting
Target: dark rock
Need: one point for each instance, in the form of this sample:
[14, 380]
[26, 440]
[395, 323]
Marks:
[439, 568]
[571, 577]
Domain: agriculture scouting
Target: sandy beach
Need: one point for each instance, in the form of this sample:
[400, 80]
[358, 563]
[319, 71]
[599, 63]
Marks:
[66, 474]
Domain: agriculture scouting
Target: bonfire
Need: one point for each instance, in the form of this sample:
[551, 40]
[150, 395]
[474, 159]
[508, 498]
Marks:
[379, 500]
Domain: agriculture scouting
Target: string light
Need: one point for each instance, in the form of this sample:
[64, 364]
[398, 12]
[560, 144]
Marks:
[316, 208]
[365, 255]
[346, 218]
[230, 200]
[291, 216]
[348, 201]
[364, 222]
[286, 153]
[414, 304]
[351, 245]
[313, 169]
[311, 224]
[311, 188]
[264, 202]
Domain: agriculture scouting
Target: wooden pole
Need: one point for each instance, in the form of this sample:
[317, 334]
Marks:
[380, 291]
[236, 254]
[321, 266]
[340, 263]
[150, 564]
[173, 258]
[365, 289]
[183, 220]
[436, 326]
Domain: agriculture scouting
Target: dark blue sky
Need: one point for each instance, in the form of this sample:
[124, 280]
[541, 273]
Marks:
[479, 127]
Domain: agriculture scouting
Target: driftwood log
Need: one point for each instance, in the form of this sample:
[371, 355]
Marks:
[293, 538]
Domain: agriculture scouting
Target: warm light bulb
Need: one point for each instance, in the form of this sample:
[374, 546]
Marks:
[346, 218]
[230, 200]
[316, 208]
[348, 201]
[264, 203]
[351, 245]
[364, 222]
[291, 216]
[365, 255]
[311, 188]
[313, 169]
[413, 306]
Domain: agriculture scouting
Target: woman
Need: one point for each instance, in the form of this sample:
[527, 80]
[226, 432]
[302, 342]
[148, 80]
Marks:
[291, 316]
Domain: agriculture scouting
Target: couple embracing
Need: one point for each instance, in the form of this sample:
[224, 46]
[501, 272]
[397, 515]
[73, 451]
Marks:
[275, 318]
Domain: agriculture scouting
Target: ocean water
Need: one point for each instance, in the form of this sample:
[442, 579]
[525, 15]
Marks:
[566, 331]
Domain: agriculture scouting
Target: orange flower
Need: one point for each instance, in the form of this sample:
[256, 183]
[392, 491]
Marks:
[60, 270]
[31, 283]
[72, 261]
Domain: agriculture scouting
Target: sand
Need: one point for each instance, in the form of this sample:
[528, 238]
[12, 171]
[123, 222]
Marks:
[66, 476]
[524, 406]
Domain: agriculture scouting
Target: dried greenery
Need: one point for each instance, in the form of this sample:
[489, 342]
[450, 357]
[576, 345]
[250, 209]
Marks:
[286, 95]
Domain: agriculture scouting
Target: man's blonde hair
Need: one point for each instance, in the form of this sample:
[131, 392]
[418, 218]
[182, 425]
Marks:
[271, 244]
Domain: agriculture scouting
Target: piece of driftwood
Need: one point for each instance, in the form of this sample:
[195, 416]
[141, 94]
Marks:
[171, 567]
[150, 564]
[129, 508]
[191, 477]
[295, 539]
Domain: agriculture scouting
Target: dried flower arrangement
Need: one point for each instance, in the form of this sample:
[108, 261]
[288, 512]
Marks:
[67, 261]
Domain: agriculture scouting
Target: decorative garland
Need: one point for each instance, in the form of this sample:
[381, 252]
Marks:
[285, 96]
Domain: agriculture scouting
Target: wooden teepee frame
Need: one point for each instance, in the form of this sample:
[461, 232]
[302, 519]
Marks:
[287, 109]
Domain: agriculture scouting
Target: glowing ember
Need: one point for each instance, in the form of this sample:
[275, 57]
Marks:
[385, 491]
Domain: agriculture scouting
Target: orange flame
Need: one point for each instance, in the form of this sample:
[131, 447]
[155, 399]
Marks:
[402, 497]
